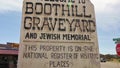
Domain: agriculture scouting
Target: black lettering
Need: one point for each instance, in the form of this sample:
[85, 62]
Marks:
[77, 25]
[27, 23]
[36, 21]
[89, 56]
[70, 48]
[72, 7]
[30, 36]
[78, 15]
[78, 48]
[84, 10]
[29, 8]
[42, 36]
[70, 23]
[46, 23]
[30, 47]
[86, 37]
[56, 8]
[53, 24]
[65, 10]
[39, 8]
[92, 26]
[61, 23]
[35, 55]
[85, 26]
[62, 0]
[59, 64]
[47, 9]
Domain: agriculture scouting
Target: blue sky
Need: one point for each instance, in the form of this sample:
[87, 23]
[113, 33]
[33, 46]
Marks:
[107, 20]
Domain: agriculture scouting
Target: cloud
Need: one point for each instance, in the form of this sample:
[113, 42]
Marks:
[105, 5]
[107, 14]
[108, 22]
[10, 5]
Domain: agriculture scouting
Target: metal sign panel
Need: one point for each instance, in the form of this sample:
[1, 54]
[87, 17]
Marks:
[58, 34]
[118, 49]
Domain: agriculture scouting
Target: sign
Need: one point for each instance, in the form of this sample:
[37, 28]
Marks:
[118, 49]
[117, 40]
[58, 34]
[15, 45]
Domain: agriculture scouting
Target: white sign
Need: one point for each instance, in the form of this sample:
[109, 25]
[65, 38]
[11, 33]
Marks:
[58, 34]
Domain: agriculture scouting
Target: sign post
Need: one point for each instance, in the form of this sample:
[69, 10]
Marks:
[58, 34]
